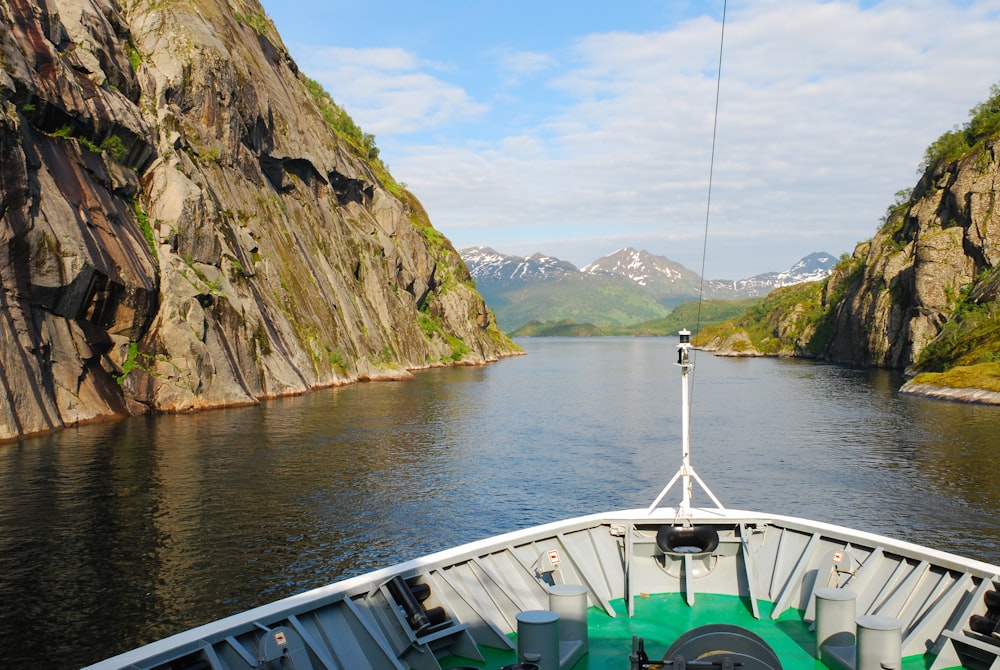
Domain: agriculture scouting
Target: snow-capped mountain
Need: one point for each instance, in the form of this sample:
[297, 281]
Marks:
[487, 264]
[641, 267]
[658, 273]
[813, 267]
[624, 287]
[665, 277]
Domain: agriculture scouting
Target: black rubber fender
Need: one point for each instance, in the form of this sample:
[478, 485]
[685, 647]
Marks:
[686, 539]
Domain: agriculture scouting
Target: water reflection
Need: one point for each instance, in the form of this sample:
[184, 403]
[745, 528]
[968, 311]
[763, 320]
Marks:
[114, 535]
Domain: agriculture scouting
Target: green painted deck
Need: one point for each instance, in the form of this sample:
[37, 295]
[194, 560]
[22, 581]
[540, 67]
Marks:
[660, 619]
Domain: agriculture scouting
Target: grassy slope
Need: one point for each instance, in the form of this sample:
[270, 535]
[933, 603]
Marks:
[685, 315]
[578, 299]
[966, 354]
[784, 323]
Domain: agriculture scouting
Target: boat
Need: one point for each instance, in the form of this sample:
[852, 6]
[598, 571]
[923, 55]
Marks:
[678, 586]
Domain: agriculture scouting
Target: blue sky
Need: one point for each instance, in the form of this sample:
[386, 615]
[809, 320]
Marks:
[577, 128]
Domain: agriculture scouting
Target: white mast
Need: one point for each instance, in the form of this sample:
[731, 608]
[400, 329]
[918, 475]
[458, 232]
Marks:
[686, 472]
[683, 349]
[684, 361]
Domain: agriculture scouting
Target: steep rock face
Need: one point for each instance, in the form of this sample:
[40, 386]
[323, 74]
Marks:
[182, 228]
[785, 324]
[903, 284]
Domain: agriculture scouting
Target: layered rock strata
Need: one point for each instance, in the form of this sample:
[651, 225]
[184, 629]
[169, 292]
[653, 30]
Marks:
[183, 229]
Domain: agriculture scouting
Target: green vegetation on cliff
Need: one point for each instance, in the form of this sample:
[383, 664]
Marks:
[341, 122]
[450, 272]
[922, 294]
[983, 123]
[785, 323]
[966, 353]
[362, 144]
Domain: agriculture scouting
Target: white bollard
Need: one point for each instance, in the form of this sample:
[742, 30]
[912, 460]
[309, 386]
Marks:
[569, 601]
[538, 638]
[880, 643]
[836, 611]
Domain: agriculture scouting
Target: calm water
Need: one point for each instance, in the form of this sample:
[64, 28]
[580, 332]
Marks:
[115, 535]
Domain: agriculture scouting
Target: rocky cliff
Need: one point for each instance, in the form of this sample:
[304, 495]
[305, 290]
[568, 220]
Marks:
[922, 294]
[186, 224]
[937, 249]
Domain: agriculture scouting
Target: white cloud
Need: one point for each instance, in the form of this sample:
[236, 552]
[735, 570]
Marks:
[517, 65]
[389, 90]
[825, 111]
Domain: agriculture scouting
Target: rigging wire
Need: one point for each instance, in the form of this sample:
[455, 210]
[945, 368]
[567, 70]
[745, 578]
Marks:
[711, 165]
[711, 169]
[686, 473]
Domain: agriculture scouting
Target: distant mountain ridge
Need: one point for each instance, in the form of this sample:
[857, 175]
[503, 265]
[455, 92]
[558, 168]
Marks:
[815, 266]
[641, 267]
[486, 264]
[633, 285]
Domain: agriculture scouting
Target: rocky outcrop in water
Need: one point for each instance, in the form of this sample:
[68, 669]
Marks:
[183, 228]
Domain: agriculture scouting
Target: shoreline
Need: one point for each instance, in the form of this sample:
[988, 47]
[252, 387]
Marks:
[966, 395]
[969, 395]
[369, 375]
